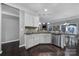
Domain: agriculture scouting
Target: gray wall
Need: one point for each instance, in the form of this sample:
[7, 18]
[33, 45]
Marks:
[0, 27]
[21, 28]
[10, 28]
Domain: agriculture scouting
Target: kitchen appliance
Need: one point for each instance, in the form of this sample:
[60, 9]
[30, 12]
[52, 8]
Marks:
[71, 36]
[71, 29]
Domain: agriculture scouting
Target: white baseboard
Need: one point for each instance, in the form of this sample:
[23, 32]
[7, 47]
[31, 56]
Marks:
[21, 45]
[0, 52]
[9, 41]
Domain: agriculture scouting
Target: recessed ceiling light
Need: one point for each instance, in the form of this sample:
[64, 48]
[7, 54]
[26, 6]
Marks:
[45, 9]
[39, 23]
[43, 23]
[48, 23]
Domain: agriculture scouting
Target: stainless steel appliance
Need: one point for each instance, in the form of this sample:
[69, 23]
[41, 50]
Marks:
[71, 41]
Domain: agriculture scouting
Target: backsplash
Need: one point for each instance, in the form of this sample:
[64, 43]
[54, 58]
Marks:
[31, 30]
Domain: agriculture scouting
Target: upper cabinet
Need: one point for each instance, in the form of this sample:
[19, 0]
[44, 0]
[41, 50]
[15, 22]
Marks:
[36, 21]
[31, 20]
[27, 21]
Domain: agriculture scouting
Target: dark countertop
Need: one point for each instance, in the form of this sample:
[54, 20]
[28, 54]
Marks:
[38, 33]
[53, 33]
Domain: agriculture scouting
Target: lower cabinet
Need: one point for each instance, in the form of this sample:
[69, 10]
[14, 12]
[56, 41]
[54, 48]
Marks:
[31, 40]
[27, 41]
[34, 39]
[45, 38]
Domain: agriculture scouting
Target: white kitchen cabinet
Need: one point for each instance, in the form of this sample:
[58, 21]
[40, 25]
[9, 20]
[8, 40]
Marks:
[36, 21]
[45, 38]
[41, 38]
[29, 41]
[26, 37]
[48, 38]
[34, 39]
[26, 20]
[31, 20]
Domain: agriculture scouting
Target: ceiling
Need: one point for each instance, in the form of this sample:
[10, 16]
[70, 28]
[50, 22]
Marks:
[54, 10]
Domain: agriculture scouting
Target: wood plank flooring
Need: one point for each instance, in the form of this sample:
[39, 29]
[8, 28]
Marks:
[46, 50]
[12, 49]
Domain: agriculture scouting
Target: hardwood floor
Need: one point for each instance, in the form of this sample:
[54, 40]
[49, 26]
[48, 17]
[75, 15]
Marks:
[46, 50]
[12, 49]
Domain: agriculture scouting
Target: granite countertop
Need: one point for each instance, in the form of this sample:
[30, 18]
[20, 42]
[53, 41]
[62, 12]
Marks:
[55, 33]
[44, 32]
[38, 33]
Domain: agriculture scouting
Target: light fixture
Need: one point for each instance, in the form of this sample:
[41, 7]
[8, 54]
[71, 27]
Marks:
[48, 23]
[66, 24]
[43, 23]
[39, 23]
[45, 10]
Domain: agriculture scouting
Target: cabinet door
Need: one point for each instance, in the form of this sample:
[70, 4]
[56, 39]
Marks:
[45, 38]
[26, 37]
[31, 20]
[28, 41]
[36, 21]
[36, 39]
[27, 21]
[48, 38]
[41, 38]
